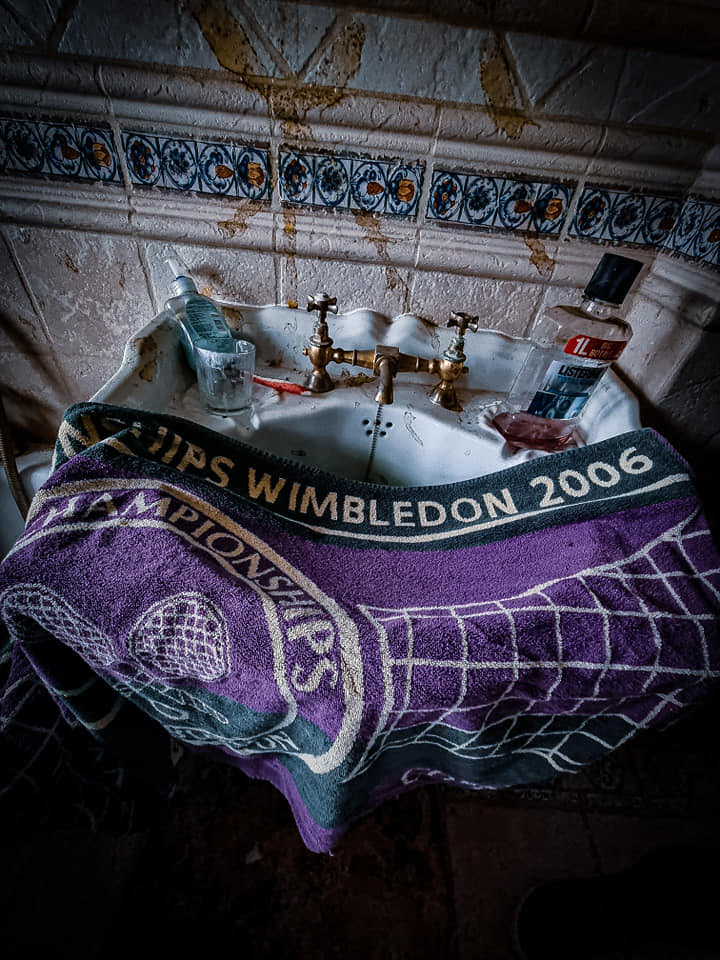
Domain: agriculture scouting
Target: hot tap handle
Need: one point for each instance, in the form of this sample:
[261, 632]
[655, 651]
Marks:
[323, 303]
[463, 321]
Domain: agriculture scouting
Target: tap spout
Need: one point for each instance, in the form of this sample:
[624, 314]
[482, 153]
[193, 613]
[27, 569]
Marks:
[385, 366]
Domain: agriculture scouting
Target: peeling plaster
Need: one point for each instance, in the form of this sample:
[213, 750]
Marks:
[543, 263]
[289, 99]
[238, 223]
[370, 224]
[503, 106]
[291, 277]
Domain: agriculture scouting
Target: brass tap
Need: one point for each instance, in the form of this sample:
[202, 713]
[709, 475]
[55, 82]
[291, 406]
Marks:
[384, 361]
[452, 363]
[385, 366]
[319, 347]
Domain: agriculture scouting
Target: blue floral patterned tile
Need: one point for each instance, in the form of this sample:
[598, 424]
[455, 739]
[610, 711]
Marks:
[252, 173]
[217, 173]
[515, 205]
[626, 218]
[660, 219]
[368, 186]
[351, 183]
[331, 181]
[142, 156]
[403, 193]
[498, 203]
[296, 178]
[551, 207]
[687, 228]
[481, 199]
[179, 164]
[197, 166]
[57, 149]
[707, 238]
[593, 211]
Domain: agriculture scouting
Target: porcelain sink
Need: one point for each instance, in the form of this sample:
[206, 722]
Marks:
[412, 442]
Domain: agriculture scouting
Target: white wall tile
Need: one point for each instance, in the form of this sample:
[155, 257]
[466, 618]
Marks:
[542, 61]
[669, 91]
[372, 286]
[164, 33]
[294, 29]
[420, 59]
[242, 276]
[40, 15]
[91, 289]
[589, 93]
[20, 326]
[500, 305]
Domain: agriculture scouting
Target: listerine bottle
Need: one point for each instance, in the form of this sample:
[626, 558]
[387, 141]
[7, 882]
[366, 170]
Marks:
[571, 348]
[200, 320]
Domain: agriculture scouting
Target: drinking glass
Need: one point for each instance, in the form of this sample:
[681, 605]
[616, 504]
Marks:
[225, 376]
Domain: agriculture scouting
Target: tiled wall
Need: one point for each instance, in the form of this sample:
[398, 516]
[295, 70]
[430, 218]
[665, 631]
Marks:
[342, 181]
[477, 158]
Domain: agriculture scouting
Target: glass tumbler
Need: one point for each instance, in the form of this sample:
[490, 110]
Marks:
[225, 377]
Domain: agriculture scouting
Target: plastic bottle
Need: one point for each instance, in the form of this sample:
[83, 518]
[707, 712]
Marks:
[571, 348]
[200, 320]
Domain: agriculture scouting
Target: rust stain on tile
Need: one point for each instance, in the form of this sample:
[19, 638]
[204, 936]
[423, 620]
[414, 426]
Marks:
[290, 220]
[238, 223]
[288, 99]
[67, 261]
[370, 224]
[502, 104]
[290, 276]
[543, 263]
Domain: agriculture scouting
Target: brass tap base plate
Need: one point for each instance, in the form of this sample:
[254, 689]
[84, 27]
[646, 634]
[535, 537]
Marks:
[319, 381]
[444, 395]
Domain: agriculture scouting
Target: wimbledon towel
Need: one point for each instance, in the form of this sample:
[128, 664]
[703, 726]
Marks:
[348, 641]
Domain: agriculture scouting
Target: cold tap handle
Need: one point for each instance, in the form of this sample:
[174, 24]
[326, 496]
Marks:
[323, 303]
[463, 321]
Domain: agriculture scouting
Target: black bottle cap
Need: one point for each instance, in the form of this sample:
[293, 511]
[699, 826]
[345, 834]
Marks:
[613, 278]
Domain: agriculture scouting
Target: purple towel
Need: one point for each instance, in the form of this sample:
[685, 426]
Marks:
[348, 641]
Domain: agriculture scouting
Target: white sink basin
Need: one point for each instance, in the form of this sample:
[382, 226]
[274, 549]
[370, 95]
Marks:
[412, 442]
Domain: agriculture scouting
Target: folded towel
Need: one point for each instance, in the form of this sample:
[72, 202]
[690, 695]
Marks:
[348, 641]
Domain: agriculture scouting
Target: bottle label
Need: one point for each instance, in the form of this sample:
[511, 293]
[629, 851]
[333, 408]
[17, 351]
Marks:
[566, 389]
[204, 319]
[593, 348]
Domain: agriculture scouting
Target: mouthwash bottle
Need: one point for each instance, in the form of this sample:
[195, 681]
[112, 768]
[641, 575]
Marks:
[200, 320]
[571, 348]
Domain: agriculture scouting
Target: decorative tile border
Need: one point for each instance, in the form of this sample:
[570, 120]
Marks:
[690, 227]
[197, 166]
[498, 202]
[58, 150]
[351, 183]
